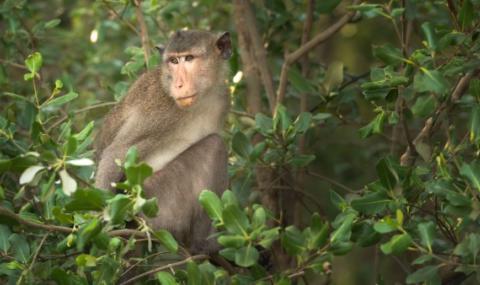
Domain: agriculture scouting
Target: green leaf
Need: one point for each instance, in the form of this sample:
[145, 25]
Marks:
[34, 62]
[302, 160]
[259, 217]
[229, 198]
[281, 119]
[326, 6]
[472, 173]
[228, 253]
[118, 208]
[4, 235]
[469, 247]
[87, 232]
[235, 241]
[241, 144]
[293, 241]
[424, 106]
[467, 14]
[475, 125]
[372, 203]
[131, 157]
[268, 237]
[369, 10]
[136, 174]
[235, 220]
[374, 127]
[166, 238]
[333, 76]
[385, 226]
[387, 174]
[29, 174]
[150, 207]
[70, 146]
[69, 185]
[20, 247]
[430, 81]
[337, 200]
[428, 31]
[246, 256]
[258, 150]
[165, 278]
[264, 124]
[344, 231]
[318, 232]
[302, 123]
[87, 200]
[86, 260]
[300, 83]
[83, 134]
[422, 259]
[388, 54]
[211, 204]
[193, 273]
[59, 101]
[397, 244]
[427, 273]
[427, 234]
[52, 23]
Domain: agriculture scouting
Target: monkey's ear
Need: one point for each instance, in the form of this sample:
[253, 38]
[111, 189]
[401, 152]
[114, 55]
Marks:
[224, 45]
[160, 48]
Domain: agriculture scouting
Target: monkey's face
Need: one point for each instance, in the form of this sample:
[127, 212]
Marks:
[185, 84]
[193, 62]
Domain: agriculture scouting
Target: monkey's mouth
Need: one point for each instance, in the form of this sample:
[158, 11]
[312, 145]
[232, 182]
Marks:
[186, 101]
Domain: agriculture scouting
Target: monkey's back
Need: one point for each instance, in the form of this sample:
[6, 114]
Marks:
[145, 97]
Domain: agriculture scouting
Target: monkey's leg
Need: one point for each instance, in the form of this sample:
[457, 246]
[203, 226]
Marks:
[178, 185]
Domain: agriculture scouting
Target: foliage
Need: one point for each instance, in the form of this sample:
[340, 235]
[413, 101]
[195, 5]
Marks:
[405, 133]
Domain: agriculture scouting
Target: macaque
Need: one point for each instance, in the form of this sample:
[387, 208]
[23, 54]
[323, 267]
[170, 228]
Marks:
[173, 115]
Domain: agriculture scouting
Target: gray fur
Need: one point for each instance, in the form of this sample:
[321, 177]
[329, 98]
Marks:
[181, 144]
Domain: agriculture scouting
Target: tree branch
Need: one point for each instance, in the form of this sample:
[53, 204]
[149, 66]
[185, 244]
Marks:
[143, 30]
[258, 49]
[249, 66]
[7, 213]
[161, 268]
[305, 48]
[431, 124]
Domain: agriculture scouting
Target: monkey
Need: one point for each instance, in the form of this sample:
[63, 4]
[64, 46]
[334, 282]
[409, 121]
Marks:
[173, 115]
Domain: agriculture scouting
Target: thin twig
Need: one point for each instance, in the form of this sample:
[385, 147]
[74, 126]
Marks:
[127, 23]
[331, 181]
[4, 61]
[305, 48]
[62, 119]
[143, 259]
[243, 114]
[161, 268]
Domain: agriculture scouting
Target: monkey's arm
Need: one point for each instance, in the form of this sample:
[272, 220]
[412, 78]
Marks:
[178, 185]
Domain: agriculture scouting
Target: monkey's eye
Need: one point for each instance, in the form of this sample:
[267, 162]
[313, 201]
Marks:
[173, 60]
[189, 57]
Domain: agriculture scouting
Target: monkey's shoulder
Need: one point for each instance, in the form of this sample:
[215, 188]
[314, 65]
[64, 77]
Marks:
[146, 93]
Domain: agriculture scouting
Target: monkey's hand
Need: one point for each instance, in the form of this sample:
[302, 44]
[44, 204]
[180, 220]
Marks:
[108, 172]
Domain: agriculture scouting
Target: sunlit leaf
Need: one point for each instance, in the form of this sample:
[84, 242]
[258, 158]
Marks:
[29, 173]
[69, 185]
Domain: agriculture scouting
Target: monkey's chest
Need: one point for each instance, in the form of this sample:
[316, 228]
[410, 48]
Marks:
[173, 144]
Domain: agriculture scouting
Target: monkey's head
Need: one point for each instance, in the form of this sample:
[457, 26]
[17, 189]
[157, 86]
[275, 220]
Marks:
[194, 62]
